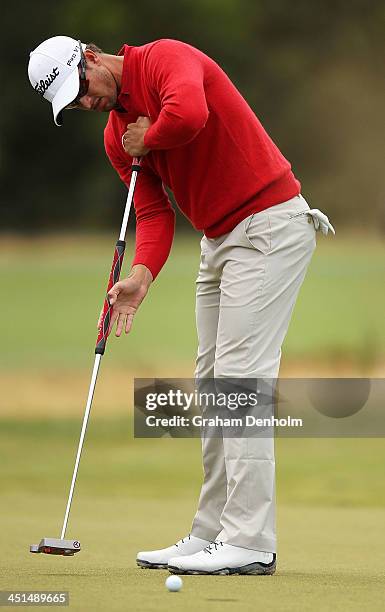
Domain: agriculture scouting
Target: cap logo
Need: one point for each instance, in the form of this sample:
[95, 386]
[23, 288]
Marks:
[42, 85]
[73, 56]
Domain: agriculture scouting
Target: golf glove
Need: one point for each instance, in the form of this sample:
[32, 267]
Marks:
[321, 221]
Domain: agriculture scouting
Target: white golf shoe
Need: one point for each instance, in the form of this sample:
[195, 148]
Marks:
[158, 559]
[223, 559]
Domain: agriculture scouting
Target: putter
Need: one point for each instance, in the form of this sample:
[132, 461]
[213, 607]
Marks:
[53, 546]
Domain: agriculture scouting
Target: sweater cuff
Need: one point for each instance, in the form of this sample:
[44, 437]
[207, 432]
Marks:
[154, 267]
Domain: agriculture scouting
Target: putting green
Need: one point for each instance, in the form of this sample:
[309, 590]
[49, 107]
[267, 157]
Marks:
[329, 558]
[138, 494]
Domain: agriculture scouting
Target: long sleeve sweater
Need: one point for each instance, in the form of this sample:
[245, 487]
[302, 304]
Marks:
[206, 145]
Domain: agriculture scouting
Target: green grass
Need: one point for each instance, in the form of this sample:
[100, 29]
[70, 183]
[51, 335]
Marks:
[348, 471]
[55, 287]
[139, 494]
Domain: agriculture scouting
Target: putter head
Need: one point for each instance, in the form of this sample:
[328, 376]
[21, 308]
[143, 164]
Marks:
[52, 546]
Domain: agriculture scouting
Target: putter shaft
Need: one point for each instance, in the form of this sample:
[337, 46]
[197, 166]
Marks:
[81, 440]
[103, 334]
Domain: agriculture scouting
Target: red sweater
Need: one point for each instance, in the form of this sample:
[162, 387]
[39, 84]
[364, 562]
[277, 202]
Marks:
[206, 145]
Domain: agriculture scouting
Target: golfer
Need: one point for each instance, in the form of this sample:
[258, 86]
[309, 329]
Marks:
[174, 107]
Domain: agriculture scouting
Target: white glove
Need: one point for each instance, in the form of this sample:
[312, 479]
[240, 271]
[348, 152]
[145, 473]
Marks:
[321, 221]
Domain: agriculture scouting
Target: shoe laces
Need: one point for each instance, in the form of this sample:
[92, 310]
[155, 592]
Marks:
[183, 540]
[213, 546]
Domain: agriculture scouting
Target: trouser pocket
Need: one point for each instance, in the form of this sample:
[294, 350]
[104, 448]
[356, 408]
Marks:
[257, 232]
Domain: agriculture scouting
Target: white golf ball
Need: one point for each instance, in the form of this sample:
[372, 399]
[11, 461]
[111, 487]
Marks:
[174, 583]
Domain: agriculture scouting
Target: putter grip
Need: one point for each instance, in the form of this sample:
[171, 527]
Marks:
[107, 308]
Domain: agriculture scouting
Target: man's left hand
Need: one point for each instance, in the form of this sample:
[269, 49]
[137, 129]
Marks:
[133, 137]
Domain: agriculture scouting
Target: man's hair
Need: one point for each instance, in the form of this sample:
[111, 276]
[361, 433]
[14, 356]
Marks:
[93, 47]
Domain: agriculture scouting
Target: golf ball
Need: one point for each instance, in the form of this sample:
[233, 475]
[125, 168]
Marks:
[174, 583]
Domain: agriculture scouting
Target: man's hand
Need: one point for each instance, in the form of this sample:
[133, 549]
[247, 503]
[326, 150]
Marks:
[126, 296]
[133, 137]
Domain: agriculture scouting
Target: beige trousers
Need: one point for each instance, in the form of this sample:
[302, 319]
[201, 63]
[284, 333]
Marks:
[247, 286]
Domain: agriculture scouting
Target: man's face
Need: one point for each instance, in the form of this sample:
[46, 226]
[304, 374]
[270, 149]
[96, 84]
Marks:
[102, 91]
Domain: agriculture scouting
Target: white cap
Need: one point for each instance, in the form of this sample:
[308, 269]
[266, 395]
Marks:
[53, 72]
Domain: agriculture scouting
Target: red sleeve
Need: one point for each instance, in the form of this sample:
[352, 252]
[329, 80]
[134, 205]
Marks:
[175, 73]
[155, 217]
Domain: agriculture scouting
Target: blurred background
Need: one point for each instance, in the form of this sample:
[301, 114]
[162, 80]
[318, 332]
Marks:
[314, 78]
[313, 73]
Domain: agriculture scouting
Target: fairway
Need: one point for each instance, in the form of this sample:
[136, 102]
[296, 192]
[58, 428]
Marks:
[57, 285]
[338, 317]
[133, 495]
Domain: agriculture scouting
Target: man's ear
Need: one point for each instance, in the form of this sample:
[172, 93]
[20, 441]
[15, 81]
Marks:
[92, 57]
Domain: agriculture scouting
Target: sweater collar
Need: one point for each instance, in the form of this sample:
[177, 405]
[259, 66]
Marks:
[124, 88]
